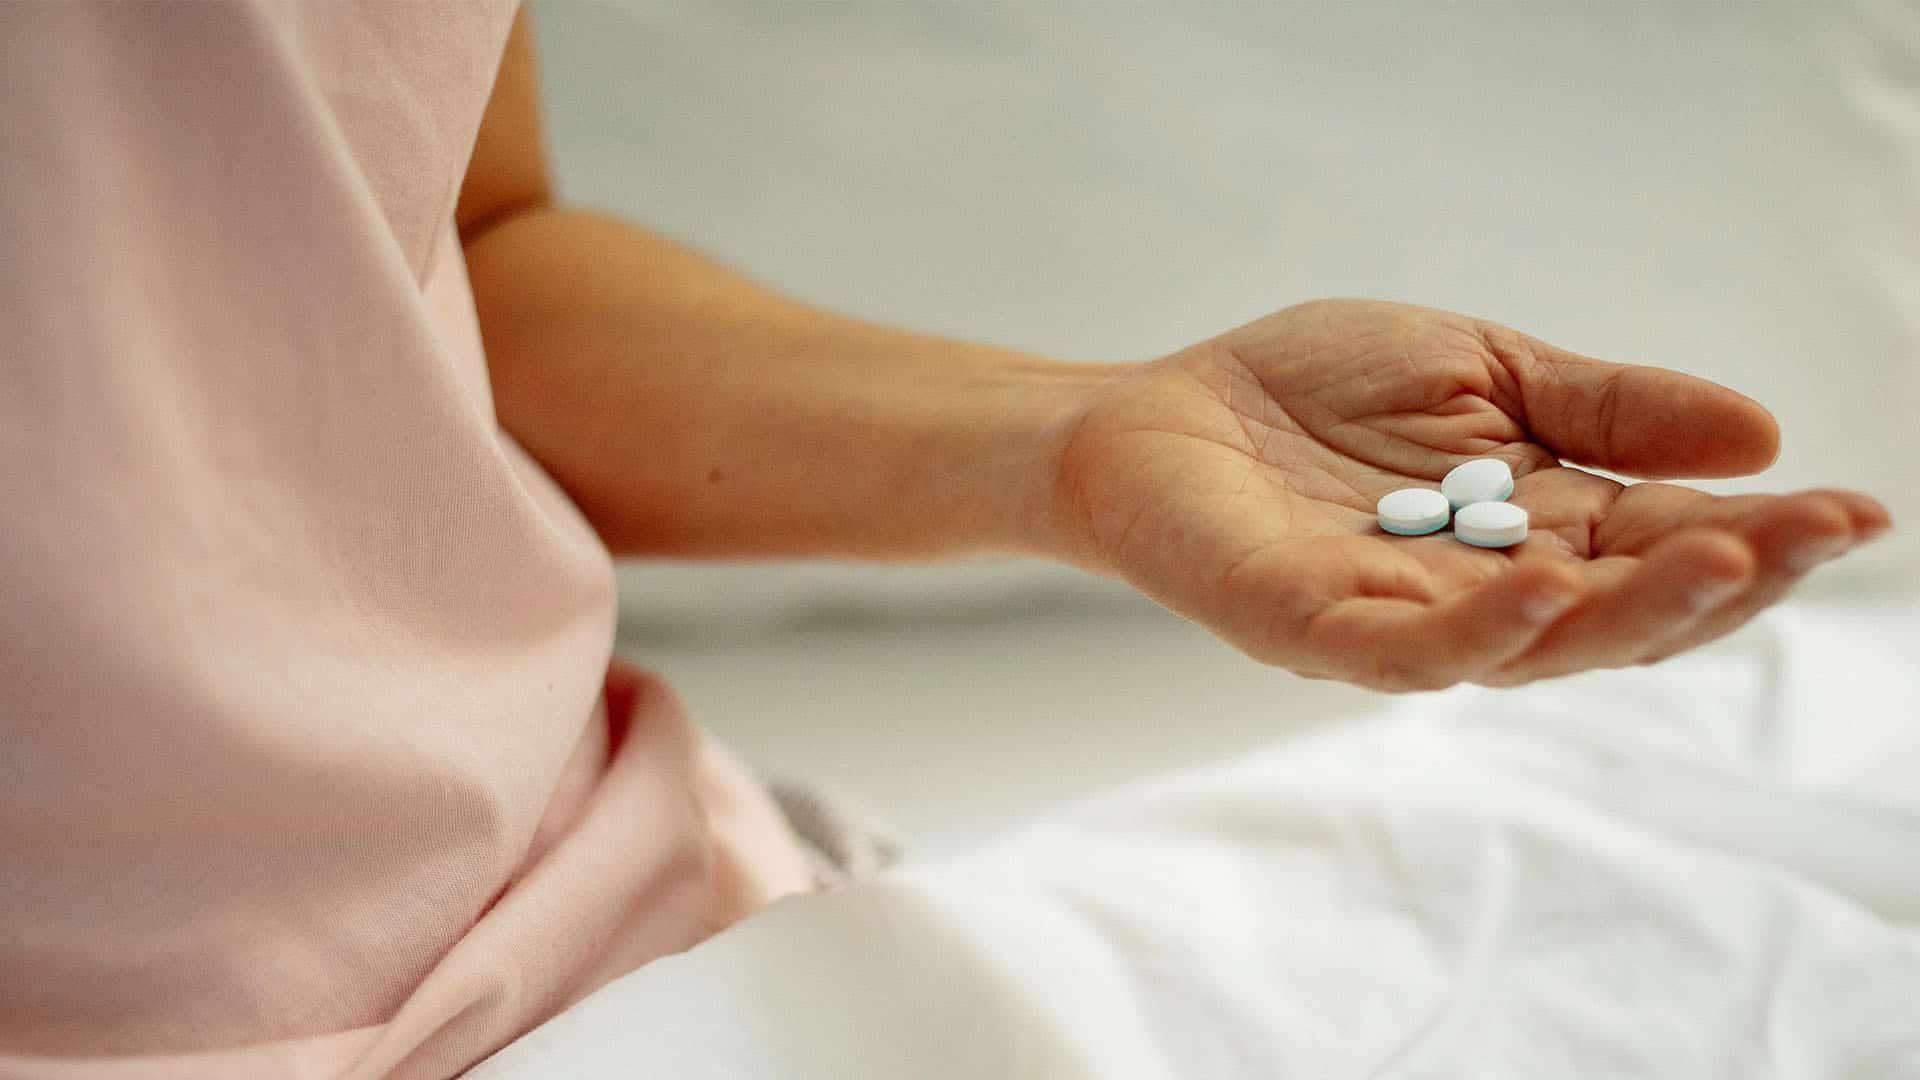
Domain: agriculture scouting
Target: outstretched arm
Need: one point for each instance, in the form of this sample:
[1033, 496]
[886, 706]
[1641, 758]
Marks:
[690, 411]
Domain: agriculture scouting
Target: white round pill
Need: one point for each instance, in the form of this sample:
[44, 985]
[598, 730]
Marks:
[1490, 524]
[1413, 511]
[1480, 480]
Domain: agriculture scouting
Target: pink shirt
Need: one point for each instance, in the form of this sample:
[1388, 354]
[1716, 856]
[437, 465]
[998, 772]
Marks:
[310, 761]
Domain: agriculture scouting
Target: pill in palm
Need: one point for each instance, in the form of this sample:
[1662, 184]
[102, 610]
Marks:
[1490, 524]
[1480, 480]
[1413, 511]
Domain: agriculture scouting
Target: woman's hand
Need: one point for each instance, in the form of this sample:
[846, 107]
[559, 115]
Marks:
[1235, 482]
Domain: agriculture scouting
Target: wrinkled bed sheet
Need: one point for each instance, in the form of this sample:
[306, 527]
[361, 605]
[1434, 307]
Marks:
[1710, 868]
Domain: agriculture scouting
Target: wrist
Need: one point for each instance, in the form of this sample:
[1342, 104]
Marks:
[1035, 408]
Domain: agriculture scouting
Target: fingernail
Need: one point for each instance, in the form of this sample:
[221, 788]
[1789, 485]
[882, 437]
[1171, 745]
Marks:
[1546, 607]
[1807, 556]
[1711, 594]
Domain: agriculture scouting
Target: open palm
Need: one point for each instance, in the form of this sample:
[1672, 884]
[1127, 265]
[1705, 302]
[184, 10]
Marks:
[1235, 482]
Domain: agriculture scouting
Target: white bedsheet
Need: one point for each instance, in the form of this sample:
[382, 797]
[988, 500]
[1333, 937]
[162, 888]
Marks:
[1709, 868]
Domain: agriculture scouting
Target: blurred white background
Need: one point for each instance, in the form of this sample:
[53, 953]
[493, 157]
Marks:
[1726, 189]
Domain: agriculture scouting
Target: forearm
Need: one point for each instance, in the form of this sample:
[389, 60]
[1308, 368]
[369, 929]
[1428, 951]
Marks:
[692, 412]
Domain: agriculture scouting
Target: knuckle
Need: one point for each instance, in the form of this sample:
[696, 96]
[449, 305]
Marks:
[1607, 409]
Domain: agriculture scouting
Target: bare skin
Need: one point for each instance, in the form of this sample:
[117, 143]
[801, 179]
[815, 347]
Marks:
[690, 411]
[1235, 482]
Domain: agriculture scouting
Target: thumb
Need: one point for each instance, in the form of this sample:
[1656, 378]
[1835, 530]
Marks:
[1633, 420]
